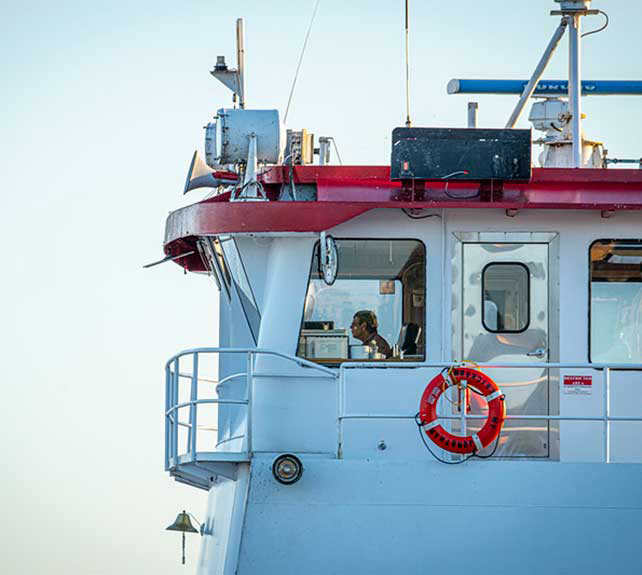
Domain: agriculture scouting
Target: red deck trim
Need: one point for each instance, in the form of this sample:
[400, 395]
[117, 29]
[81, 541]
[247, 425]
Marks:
[344, 192]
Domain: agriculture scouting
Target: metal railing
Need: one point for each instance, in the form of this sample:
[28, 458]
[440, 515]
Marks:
[606, 418]
[173, 407]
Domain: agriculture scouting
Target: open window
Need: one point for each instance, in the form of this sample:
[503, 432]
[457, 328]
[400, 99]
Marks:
[383, 277]
[616, 301]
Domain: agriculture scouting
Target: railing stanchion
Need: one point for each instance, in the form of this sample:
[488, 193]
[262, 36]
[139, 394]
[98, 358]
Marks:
[340, 381]
[175, 413]
[462, 407]
[167, 419]
[607, 415]
[249, 395]
[192, 408]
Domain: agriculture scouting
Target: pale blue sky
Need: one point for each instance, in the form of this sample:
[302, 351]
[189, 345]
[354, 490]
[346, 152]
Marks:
[104, 102]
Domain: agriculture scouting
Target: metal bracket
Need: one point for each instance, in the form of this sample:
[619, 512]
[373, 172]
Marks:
[231, 78]
[251, 190]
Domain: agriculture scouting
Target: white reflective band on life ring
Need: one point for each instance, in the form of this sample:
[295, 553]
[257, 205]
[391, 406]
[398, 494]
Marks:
[478, 444]
[432, 424]
[449, 381]
[494, 395]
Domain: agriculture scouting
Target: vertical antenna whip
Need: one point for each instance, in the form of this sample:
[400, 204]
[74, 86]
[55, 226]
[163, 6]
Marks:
[408, 123]
[298, 67]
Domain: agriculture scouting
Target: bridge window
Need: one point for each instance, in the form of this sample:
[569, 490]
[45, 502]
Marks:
[214, 254]
[616, 301]
[383, 280]
[233, 274]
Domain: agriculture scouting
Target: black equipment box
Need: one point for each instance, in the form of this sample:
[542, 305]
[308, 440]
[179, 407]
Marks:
[462, 154]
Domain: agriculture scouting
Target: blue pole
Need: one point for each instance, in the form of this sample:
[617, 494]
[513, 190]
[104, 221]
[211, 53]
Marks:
[545, 87]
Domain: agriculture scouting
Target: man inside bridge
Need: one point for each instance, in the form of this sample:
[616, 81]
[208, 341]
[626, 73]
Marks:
[364, 328]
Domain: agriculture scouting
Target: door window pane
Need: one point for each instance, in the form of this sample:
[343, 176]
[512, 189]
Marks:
[616, 301]
[505, 293]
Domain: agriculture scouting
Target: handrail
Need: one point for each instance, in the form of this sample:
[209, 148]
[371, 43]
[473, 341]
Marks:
[205, 379]
[606, 418]
[202, 401]
[551, 365]
[230, 378]
[173, 377]
[254, 350]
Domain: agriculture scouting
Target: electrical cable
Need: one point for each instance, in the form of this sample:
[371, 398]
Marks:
[334, 143]
[454, 197]
[298, 67]
[423, 439]
[492, 452]
[606, 23]
[451, 196]
[413, 217]
[237, 191]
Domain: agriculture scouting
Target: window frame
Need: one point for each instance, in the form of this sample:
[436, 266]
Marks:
[590, 288]
[314, 268]
[215, 264]
[528, 297]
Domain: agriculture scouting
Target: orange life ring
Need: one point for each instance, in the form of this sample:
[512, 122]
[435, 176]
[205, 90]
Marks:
[455, 443]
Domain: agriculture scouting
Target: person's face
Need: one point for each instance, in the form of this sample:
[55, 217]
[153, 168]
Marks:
[358, 329]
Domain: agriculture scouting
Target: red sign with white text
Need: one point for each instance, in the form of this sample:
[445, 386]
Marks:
[578, 384]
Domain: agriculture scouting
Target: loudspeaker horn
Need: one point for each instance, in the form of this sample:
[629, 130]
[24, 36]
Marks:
[200, 175]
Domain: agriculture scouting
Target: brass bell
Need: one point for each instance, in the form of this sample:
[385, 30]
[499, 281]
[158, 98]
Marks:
[182, 523]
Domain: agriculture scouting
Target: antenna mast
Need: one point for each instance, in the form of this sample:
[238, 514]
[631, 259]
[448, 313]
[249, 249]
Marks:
[572, 11]
[240, 59]
[408, 123]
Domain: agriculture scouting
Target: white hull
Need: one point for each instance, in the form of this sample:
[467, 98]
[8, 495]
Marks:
[381, 517]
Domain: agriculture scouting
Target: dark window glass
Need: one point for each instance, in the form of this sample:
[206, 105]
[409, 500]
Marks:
[218, 252]
[505, 292]
[616, 301]
[235, 270]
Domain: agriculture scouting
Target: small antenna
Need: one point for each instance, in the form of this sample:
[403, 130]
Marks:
[408, 123]
[298, 66]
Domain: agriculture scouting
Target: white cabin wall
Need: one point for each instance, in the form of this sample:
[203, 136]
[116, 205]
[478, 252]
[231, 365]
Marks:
[569, 263]
[577, 229]
[297, 414]
[295, 411]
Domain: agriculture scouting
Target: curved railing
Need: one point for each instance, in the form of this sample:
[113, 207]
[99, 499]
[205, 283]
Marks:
[174, 408]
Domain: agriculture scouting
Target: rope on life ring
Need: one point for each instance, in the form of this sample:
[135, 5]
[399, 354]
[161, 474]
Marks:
[476, 380]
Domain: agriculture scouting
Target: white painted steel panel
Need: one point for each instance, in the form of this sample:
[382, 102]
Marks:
[346, 517]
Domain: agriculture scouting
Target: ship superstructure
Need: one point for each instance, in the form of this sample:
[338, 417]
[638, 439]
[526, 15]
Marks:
[308, 436]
